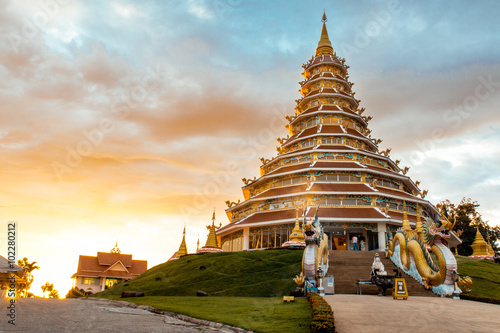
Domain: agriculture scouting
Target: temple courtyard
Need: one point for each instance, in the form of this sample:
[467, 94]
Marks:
[353, 313]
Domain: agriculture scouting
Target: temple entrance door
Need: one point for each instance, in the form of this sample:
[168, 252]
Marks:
[339, 243]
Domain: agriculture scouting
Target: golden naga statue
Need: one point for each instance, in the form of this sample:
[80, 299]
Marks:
[414, 243]
[248, 181]
[231, 203]
[315, 257]
[465, 282]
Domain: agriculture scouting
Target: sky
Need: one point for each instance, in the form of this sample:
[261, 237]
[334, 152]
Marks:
[126, 121]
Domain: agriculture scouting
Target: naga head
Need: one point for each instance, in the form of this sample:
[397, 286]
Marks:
[431, 231]
[309, 230]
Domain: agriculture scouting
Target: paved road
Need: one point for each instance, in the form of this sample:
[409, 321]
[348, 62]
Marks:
[78, 315]
[375, 314]
[352, 314]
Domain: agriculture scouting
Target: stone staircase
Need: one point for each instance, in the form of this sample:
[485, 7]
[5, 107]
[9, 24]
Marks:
[347, 267]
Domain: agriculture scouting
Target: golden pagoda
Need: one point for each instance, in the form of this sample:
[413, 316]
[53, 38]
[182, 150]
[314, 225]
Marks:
[296, 237]
[329, 160]
[211, 245]
[182, 248]
[480, 247]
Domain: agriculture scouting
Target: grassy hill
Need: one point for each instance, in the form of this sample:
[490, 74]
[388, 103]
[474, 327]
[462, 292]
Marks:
[485, 275]
[252, 273]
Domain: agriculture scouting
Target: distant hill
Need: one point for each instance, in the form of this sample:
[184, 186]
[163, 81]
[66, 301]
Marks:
[251, 273]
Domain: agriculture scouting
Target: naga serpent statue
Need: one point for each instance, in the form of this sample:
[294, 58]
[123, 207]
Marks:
[409, 251]
[315, 253]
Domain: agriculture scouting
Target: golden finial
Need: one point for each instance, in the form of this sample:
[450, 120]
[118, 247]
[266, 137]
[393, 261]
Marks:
[324, 45]
[116, 249]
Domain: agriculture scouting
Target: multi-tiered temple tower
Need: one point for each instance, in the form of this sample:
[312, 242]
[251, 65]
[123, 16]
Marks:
[330, 160]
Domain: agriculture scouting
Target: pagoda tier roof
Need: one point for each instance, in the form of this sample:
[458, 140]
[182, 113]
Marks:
[317, 188]
[307, 166]
[399, 216]
[281, 191]
[334, 165]
[326, 129]
[323, 75]
[347, 212]
[325, 91]
[290, 168]
[341, 188]
[321, 148]
[393, 192]
[321, 59]
[328, 108]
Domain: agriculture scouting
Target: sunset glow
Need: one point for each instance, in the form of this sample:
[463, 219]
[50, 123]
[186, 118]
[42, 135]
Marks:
[126, 121]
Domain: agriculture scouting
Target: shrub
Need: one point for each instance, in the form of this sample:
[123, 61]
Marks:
[480, 299]
[322, 314]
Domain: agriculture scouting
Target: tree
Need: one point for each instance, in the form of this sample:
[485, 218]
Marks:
[49, 287]
[28, 269]
[467, 221]
[54, 294]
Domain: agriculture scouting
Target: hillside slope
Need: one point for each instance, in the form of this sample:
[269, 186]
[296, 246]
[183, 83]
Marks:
[485, 276]
[253, 273]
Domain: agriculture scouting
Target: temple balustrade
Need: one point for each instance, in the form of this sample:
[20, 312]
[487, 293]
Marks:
[363, 159]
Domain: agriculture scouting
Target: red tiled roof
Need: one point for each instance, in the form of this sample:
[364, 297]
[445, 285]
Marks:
[354, 132]
[342, 212]
[337, 165]
[331, 129]
[340, 187]
[270, 216]
[282, 191]
[289, 168]
[399, 216]
[384, 190]
[106, 258]
[329, 147]
[89, 266]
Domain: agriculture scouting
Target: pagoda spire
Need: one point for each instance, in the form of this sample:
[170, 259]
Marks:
[211, 245]
[324, 44]
[182, 248]
[479, 246]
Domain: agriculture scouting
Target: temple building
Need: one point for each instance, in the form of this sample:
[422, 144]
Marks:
[94, 274]
[328, 160]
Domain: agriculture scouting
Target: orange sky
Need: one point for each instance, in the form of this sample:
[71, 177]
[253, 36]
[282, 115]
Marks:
[125, 121]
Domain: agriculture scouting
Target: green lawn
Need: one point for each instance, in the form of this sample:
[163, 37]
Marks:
[258, 314]
[485, 276]
[253, 273]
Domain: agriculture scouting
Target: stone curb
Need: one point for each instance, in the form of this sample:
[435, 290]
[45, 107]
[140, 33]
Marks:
[189, 319]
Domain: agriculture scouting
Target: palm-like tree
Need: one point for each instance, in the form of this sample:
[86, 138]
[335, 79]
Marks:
[28, 269]
[47, 287]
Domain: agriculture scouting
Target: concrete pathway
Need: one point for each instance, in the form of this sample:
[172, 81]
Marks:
[375, 314]
[92, 315]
